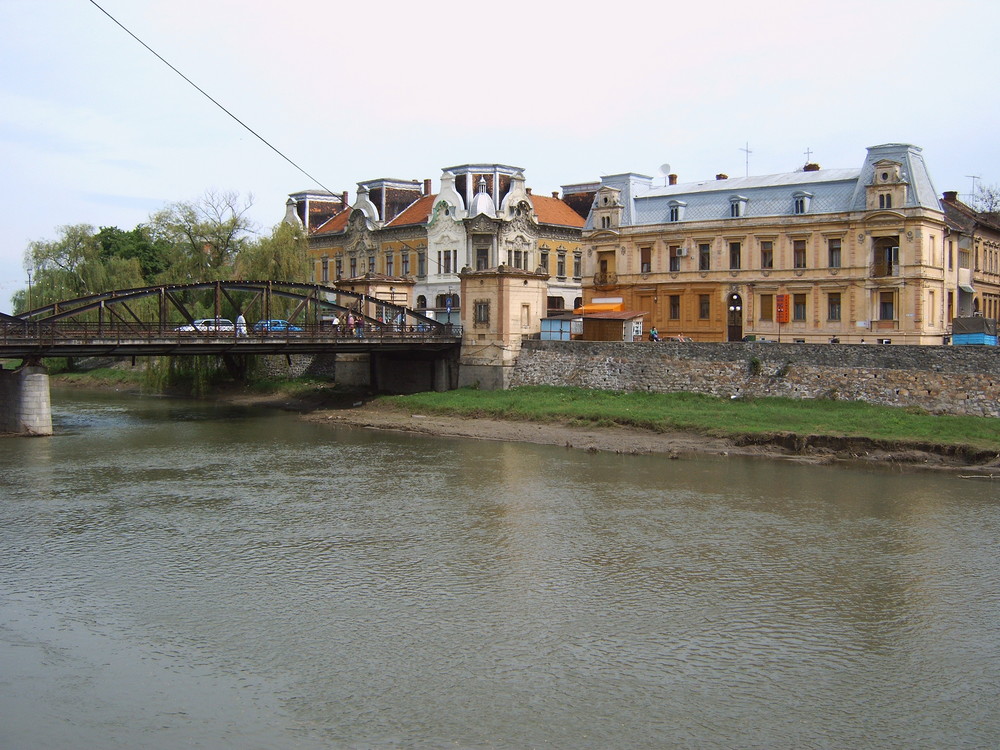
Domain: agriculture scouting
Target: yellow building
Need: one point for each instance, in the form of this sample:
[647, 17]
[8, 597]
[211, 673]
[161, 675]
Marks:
[816, 255]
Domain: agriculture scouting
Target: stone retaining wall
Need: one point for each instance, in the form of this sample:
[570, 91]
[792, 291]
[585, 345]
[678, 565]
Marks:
[939, 379]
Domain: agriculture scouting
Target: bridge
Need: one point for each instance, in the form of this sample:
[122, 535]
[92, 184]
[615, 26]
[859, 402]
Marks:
[158, 321]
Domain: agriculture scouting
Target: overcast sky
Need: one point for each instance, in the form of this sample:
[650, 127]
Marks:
[95, 129]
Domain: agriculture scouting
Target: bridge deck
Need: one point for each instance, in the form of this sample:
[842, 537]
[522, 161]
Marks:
[76, 340]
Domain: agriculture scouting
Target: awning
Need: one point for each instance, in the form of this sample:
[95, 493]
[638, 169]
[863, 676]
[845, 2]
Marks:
[966, 288]
[598, 307]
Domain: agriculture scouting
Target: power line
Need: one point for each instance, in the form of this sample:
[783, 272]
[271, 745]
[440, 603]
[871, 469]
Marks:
[209, 97]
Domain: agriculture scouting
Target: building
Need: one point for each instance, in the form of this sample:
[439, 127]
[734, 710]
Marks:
[973, 244]
[482, 217]
[816, 255]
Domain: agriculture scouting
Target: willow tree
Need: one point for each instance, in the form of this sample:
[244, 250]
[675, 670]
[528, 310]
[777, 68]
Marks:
[280, 257]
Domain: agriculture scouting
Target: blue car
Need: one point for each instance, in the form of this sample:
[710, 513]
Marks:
[274, 325]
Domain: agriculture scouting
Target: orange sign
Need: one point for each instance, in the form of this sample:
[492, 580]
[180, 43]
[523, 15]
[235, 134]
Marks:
[781, 302]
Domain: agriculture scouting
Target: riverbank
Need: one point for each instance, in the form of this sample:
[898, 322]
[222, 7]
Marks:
[381, 414]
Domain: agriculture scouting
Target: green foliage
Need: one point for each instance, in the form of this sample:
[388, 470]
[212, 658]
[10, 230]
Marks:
[709, 415]
[280, 257]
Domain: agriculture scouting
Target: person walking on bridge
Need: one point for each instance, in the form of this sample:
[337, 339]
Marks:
[241, 326]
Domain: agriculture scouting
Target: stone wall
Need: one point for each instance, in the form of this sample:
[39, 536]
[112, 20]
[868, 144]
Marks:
[25, 407]
[939, 379]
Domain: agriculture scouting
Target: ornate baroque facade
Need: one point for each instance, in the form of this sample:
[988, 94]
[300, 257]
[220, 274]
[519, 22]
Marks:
[815, 255]
[482, 217]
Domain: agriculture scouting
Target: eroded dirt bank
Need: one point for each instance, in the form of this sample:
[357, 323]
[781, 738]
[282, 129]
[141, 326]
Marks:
[807, 448]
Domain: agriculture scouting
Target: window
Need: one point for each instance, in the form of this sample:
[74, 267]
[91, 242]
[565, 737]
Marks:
[543, 261]
[886, 306]
[737, 207]
[561, 265]
[354, 267]
[735, 253]
[833, 306]
[704, 257]
[445, 260]
[389, 265]
[798, 307]
[525, 316]
[482, 312]
[675, 307]
[767, 307]
[645, 259]
[800, 202]
[325, 273]
[482, 258]
[339, 267]
[833, 250]
[766, 254]
[421, 264]
[405, 263]
[799, 254]
[520, 259]
[421, 302]
[605, 222]
[577, 265]
[675, 259]
[371, 264]
[884, 200]
[932, 313]
[676, 212]
[704, 306]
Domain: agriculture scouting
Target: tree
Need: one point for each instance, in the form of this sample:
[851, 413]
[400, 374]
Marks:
[987, 200]
[72, 266]
[280, 257]
[152, 256]
[204, 236]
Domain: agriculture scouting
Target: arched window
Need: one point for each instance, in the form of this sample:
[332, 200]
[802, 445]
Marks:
[421, 302]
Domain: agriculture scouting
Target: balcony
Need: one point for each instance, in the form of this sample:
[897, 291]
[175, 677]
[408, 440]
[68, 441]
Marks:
[605, 280]
[881, 269]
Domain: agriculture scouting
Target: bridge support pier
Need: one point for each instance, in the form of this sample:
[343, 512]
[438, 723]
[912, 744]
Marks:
[25, 405]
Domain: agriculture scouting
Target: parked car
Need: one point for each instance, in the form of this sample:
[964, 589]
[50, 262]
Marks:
[203, 325]
[274, 325]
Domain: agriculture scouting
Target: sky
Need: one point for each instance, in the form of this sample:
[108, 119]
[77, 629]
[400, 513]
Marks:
[95, 129]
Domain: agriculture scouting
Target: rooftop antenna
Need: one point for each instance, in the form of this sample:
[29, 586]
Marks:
[665, 170]
[973, 177]
[747, 150]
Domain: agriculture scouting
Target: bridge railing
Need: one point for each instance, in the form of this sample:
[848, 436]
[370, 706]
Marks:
[69, 331]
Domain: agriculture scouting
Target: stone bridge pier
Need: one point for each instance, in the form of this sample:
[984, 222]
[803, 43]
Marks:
[25, 406]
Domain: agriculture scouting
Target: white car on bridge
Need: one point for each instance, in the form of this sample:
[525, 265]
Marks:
[207, 325]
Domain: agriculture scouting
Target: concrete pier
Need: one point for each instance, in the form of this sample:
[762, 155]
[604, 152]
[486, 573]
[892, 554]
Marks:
[25, 405]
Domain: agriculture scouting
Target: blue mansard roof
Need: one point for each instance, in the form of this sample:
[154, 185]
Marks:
[827, 190]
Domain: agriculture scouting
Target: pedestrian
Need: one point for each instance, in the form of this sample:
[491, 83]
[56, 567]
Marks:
[241, 326]
[654, 335]
[359, 327]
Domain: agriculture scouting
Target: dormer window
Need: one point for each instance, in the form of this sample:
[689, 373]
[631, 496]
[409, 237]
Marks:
[885, 200]
[737, 207]
[800, 202]
[605, 222]
[677, 210]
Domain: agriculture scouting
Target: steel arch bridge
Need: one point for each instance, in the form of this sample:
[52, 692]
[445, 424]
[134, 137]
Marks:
[146, 321]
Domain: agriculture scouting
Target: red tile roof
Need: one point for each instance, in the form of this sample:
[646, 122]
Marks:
[554, 211]
[334, 224]
[416, 213]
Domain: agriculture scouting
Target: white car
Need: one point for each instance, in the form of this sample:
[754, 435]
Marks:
[203, 325]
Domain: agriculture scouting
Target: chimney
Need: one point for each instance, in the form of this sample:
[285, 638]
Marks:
[950, 196]
[528, 191]
[427, 187]
[811, 167]
[555, 194]
[672, 179]
[721, 176]
[343, 199]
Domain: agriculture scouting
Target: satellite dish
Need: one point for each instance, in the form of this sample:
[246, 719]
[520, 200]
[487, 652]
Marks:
[664, 169]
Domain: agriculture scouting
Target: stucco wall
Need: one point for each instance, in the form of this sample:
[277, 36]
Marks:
[940, 379]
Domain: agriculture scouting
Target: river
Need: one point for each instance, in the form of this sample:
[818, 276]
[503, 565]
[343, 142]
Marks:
[187, 574]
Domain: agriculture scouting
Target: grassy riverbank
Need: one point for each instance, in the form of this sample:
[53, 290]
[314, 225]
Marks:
[665, 412]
